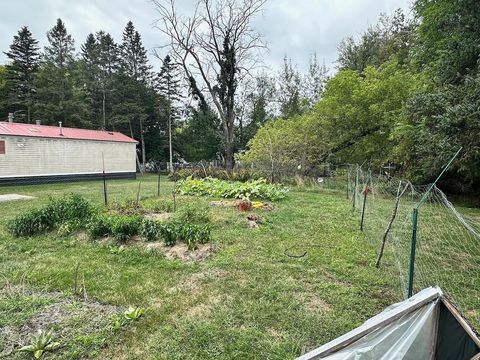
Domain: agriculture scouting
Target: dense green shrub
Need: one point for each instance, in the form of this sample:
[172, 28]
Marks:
[72, 208]
[121, 227]
[150, 230]
[257, 189]
[191, 234]
[99, 226]
[170, 233]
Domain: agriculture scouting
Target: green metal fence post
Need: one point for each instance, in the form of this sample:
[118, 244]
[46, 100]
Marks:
[413, 245]
[413, 240]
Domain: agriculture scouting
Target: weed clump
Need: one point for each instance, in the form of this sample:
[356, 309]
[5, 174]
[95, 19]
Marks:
[72, 209]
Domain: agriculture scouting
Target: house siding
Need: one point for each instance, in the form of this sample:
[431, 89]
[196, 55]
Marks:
[36, 157]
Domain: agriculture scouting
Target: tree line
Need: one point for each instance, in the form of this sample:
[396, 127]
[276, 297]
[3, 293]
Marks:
[405, 97]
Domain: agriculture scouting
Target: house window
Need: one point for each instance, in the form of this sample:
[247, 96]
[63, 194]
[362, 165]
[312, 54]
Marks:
[2, 147]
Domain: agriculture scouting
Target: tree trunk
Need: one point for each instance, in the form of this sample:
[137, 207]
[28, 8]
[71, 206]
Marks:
[103, 109]
[29, 111]
[170, 148]
[228, 135]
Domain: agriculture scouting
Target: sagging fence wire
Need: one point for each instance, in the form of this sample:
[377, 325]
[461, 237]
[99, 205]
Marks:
[447, 238]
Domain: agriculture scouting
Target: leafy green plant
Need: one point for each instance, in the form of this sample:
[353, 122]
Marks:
[169, 233]
[123, 227]
[99, 226]
[193, 213]
[222, 174]
[256, 189]
[133, 313]
[72, 208]
[193, 234]
[150, 230]
[40, 343]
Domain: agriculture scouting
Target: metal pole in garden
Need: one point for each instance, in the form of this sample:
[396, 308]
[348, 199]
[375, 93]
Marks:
[158, 181]
[413, 240]
[348, 181]
[104, 182]
[355, 185]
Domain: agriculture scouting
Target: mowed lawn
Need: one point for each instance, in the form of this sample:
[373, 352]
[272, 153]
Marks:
[248, 300]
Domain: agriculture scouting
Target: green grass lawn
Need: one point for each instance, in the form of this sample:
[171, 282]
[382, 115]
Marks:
[248, 300]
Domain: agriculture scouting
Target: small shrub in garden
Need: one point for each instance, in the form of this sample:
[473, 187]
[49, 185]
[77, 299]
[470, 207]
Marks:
[99, 226]
[169, 233]
[194, 234]
[191, 234]
[123, 227]
[71, 208]
[150, 229]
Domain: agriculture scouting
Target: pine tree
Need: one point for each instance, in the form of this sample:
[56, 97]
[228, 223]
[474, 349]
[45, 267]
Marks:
[108, 63]
[134, 61]
[24, 59]
[61, 48]
[90, 74]
[168, 86]
[61, 98]
[132, 81]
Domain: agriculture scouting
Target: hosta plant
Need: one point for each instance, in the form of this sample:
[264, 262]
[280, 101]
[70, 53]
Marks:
[133, 313]
[40, 343]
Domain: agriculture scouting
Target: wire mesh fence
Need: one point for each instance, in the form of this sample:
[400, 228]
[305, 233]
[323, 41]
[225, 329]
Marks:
[447, 239]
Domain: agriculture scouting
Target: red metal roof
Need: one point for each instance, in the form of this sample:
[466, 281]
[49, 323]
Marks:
[31, 130]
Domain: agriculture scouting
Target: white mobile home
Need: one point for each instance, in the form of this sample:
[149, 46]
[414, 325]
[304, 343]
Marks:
[37, 153]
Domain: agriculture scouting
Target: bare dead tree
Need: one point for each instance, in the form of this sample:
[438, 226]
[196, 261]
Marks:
[217, 48]
[400, 193]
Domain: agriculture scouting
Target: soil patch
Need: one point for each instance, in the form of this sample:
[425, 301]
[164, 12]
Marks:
[181, 251]
[254, 220]
[159, 216]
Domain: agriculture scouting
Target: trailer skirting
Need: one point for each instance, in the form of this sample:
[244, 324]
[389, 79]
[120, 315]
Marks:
[57, 178]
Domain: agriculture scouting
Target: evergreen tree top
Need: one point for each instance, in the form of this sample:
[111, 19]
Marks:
[60, 51]
[134, 61]
[24, 51]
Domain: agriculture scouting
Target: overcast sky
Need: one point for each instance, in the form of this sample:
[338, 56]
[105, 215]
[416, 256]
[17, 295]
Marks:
[295, 28]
